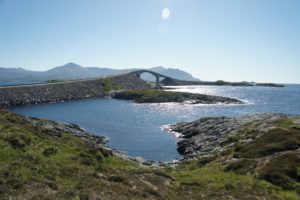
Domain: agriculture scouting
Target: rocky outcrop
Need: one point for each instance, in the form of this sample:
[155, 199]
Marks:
[266, 146]
[160, 96]
[216, 134]
[57, 129]
[64, 91]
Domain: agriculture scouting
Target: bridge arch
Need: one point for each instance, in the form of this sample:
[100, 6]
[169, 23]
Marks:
[156, 75]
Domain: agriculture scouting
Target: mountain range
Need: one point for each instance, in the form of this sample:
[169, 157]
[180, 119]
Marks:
[71, 71]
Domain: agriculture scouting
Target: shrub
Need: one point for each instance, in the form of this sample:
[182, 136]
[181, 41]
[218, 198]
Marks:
[49, 151]
[282, 171]
[273, 141]
[18, 141]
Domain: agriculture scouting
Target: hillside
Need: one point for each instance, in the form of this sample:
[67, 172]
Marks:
[71, 71]
[41, 159]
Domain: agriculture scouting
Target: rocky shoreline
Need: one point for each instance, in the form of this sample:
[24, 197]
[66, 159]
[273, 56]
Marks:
[266, 145]
[214, 134]
[57, 129]
[254, 156]
[161, 96]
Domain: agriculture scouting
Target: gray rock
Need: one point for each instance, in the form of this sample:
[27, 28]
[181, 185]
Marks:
[214, 135]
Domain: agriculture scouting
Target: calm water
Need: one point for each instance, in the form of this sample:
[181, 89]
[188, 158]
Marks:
[136, 128]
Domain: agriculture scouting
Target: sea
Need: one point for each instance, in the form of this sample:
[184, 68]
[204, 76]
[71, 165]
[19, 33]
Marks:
[138, 129]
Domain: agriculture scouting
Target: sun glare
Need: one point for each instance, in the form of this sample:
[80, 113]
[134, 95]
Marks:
[165, 13]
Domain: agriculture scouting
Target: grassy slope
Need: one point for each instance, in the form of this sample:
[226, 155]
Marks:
[35, 165]
[274, 156]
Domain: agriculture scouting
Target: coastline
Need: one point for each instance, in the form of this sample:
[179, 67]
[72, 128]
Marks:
[106, 165]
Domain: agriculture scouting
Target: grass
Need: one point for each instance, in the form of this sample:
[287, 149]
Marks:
[109, 85]
[274, 141]
[272, 157]
[212, 182]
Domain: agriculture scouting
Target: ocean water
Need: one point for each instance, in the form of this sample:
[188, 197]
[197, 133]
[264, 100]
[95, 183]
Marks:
[136, 129]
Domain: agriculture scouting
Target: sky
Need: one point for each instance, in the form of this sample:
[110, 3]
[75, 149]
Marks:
[232, 40]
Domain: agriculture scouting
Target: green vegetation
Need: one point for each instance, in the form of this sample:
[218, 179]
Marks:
[54, 81]
[109, 85]
[37, 165]
[212, 182]
[148, 95]
[283, 170]
[274, 156]
[275, 140]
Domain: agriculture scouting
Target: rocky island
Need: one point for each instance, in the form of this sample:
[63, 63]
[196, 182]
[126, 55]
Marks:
[176, 82]
[161, 96]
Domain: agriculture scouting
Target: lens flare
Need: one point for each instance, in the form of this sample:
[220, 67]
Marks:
[165, 14]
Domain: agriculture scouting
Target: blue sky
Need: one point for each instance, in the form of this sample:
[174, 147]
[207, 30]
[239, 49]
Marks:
[234, 40]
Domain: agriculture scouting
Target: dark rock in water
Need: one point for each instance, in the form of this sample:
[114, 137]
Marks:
[160, 96]
[269, 85]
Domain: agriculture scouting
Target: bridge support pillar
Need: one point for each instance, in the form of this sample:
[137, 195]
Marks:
[157, 81]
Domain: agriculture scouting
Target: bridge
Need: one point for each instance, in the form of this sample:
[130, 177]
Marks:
[156, 75]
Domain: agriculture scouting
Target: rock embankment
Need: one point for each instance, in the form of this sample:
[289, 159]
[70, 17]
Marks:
[160, 96]
[69, 90]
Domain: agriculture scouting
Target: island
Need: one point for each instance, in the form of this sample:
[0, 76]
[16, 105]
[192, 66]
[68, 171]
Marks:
[175, 82]
[161, 96]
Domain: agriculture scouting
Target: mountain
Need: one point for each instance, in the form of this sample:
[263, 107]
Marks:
[72, 71]
[75, 71]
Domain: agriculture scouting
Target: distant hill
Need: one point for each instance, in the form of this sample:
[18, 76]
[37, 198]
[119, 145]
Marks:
[71, 71]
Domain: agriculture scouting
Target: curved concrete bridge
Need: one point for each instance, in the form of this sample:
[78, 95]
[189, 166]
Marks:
[156, 75]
